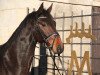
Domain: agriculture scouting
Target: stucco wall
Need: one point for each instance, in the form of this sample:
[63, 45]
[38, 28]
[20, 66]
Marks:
[12, 12]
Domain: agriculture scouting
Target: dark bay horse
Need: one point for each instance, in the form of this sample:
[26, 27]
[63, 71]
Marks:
[17, 53]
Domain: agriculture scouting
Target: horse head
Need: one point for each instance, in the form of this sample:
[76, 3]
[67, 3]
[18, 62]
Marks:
[45, 30]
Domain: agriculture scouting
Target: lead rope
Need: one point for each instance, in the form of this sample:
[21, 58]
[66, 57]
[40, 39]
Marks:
[56, 64]
[54, 61]
[62, 64]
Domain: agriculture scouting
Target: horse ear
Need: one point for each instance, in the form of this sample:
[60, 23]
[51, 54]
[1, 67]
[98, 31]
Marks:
[50, 8]
[40, 8]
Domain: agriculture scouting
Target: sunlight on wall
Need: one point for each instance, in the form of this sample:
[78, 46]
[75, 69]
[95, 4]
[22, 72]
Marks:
[12, 12]
[10, 20]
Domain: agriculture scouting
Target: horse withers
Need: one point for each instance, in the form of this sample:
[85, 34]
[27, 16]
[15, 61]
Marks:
[17, 53]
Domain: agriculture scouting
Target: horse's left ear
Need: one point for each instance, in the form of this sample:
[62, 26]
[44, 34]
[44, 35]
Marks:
[50, 8]
[40, 8]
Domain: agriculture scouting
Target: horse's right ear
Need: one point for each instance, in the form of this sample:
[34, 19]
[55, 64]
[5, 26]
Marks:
[40, 8]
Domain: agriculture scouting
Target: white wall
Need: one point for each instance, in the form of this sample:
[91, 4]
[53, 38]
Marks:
[12, 12]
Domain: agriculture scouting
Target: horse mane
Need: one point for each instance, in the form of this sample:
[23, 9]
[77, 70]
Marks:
[14, 36]
[31, 16]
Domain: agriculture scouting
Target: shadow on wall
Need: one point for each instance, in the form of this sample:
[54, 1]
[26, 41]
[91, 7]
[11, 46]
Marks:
[42, 68]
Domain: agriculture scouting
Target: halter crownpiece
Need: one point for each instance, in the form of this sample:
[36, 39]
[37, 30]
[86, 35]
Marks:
[42, 17]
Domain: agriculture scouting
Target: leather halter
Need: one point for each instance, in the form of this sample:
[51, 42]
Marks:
[45, 38]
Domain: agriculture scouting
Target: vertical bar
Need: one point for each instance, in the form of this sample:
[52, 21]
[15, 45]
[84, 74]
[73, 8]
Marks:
[27, 10]
[33, 9]
[72, 25]
[54, 66]
[91, 42]
[43, 60]
[81, 39]
[54, 55]
[72, 38]
[63, 40]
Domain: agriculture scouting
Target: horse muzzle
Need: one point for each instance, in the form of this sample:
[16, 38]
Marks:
[54, 42]
[58, 46]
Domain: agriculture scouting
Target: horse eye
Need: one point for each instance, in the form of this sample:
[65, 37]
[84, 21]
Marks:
[44, 24]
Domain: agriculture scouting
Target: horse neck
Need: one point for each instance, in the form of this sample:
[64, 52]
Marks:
[25, 45]
[21, 50]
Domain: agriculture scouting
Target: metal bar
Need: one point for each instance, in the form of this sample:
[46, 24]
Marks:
[69, 57]
[94, 14]
[80, 38]
[72, 25]
[47, 63]
[67, 70]
[72, 38]
[91, 40]
[33, 9]
[66, 3]
[78, 29]
[63, 41]
[64, 71]
[27, 10]
[54, 65]
[85, 43]
[11, 9]
[54, 56]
